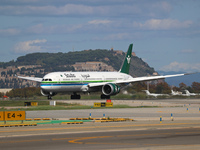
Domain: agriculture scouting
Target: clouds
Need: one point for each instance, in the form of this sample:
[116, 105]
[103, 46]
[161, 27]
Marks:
[188, 51]
[9, 32]
[29, 46]
[77, 8]
[159, 29]
[69, 9]
[96, 22]
[185, 67]
[119, 17]
[163, 24]
[108, 26]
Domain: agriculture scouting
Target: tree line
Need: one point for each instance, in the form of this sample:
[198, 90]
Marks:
[161, 87]
[22, 92]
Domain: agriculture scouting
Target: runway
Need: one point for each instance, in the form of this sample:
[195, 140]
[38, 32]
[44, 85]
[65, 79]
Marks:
[183, 138]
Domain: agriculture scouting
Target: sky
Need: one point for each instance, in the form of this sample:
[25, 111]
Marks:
[165, 33]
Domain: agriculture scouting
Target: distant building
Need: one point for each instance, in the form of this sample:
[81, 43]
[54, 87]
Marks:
[155, 74]
[92, 66]
[120, 52]
[5, 90]
[28, 66]
[133, 54]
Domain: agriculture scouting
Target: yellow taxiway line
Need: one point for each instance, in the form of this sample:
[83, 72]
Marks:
[92, 127]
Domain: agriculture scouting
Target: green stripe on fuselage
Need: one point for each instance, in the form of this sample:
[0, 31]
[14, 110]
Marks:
[85, 81]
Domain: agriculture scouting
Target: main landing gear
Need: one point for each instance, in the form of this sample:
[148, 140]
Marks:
[105, 96]
[75, 96]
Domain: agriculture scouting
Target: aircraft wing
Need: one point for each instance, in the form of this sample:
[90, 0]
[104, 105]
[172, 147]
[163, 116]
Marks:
[98, 84]
[31, 78]
[137, 79]
[150, 78]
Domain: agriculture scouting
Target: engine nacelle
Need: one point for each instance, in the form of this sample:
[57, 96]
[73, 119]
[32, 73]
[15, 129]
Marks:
[110, 89]
[44, 93]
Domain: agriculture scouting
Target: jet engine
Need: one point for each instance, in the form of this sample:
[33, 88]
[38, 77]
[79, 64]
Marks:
[45, 93]
[110, 89]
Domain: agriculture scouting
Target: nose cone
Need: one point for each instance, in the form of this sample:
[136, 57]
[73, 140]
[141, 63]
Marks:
[45, 86]
[48, 82]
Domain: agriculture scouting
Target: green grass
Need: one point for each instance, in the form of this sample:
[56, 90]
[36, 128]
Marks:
[92, 96]
[21, 102]
[44, 105]
[38, 108]
[40, 103]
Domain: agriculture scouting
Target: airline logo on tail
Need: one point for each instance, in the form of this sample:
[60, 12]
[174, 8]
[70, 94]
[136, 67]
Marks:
[128, 59]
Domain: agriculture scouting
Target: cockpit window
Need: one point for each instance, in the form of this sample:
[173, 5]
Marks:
[46, 79]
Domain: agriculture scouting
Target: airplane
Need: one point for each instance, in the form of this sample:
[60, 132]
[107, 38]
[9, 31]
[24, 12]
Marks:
[187, 93]
[75, 83]
[176, 93]
[154, 94]
[190, 94]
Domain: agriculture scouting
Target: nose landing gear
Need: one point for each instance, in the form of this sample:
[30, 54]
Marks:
[49, 97]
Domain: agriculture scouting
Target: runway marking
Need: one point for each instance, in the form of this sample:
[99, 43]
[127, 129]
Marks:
[75, 141]
[23, 141]
[57, 139]
[111, 143]
[87, 138]
[185, 132]
[80, 140]
[92, 127]
[154, 144]
[144, 134]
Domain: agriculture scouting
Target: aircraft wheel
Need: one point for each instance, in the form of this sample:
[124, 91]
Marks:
[75, 96]
[105, 96]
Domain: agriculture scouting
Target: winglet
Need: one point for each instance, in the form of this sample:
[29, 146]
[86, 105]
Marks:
[127, 61]
[191, 73]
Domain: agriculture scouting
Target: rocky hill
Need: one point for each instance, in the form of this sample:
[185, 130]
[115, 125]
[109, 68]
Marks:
[39, 64]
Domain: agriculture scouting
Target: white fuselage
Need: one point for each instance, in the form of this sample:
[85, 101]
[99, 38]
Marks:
[78, 81]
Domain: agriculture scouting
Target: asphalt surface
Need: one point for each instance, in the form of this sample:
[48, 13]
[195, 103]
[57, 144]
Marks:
[144, 139]
[145, 132]
[179, 113]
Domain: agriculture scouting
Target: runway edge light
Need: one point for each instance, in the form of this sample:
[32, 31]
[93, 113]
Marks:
[172, 117]
[160, 119]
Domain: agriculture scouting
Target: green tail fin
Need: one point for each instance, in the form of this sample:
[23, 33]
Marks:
[127, 61]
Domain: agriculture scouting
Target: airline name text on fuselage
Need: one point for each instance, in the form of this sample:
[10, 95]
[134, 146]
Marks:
[70, 75]
[85, 76]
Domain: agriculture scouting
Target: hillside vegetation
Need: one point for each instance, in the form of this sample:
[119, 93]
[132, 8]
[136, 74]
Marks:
[63, 61]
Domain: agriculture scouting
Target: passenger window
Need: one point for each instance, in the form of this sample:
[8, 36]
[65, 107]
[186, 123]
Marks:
[46, 79]
[50, 79]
